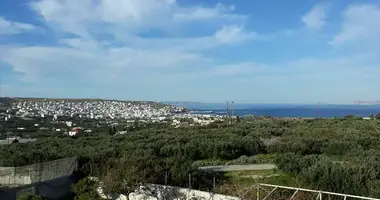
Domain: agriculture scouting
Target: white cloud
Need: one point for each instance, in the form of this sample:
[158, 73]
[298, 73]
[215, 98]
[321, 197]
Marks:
[108, 43]
[315, 18]
[109, 51]
[341, 79]
[132, 16]
[200, 13]
[125, 19]
[233, 34]
[8, 27]
[360, 23]
[116, 11]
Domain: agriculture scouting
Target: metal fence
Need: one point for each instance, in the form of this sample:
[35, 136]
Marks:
[271, 192]
[57, 188]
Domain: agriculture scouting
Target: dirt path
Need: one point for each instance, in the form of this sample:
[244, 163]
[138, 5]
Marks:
[227, 168]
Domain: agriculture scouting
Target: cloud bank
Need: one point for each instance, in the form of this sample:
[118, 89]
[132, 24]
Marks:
[165, 50]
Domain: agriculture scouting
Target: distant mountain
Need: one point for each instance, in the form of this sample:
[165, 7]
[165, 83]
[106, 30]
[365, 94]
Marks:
[236, 106]
[196, 105]
[181, 102]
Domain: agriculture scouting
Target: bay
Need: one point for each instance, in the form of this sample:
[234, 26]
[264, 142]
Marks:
[287, 110]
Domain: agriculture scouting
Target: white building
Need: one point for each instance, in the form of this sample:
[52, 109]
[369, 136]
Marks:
[121, 132]
[69, 124]
[72, 133]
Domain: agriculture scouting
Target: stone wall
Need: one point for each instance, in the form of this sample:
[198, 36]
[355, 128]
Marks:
[158, 192]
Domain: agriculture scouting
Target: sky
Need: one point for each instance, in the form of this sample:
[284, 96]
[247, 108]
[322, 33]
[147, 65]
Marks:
[264, 51]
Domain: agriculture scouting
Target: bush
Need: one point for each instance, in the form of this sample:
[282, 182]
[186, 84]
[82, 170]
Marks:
[85, 189]
[31, 197]
[309, 149]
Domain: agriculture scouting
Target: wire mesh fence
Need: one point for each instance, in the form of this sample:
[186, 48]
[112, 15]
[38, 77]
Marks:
[50, 179]
[29, 174]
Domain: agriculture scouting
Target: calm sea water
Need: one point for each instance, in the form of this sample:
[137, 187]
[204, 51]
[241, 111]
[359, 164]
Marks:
[288, 110]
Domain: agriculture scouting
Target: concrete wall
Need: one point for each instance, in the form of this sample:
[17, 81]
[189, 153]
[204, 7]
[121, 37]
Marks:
[15, 176]
[229, 168]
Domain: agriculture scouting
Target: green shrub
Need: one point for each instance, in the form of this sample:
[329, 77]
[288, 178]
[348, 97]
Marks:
[31, 197]
[85, 189]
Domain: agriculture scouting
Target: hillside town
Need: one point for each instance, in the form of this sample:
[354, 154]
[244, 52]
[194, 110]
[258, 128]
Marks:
[47, 117]
[94, 109]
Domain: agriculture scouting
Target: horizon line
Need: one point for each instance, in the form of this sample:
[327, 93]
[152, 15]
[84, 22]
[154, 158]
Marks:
[236, 102]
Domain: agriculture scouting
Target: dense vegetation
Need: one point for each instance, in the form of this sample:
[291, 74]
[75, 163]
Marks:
[338, 155]
[49, 128]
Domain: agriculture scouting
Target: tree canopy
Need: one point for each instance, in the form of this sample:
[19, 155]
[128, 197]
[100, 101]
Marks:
[337, 155]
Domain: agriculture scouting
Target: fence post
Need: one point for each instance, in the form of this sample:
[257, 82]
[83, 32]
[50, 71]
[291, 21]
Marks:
[56, 169]
[90, 166]
[14, 175]
[37, 172]
[214, 183]
[166, 177]
[189, 181]
[9, 178]
[257, 193]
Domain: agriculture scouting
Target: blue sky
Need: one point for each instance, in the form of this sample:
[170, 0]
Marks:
[264, 51]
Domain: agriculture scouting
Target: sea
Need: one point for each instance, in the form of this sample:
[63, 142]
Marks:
[285, 110]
